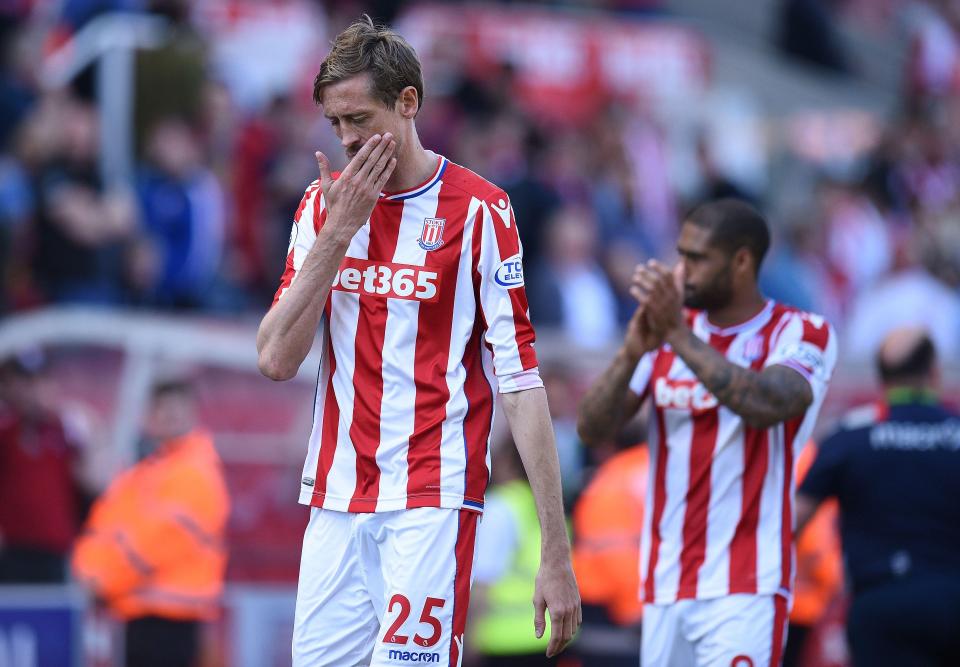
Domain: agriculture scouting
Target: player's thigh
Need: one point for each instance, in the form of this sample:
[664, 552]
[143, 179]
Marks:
[335, 621]
[740, 631]
[426, 558]
[662, 642]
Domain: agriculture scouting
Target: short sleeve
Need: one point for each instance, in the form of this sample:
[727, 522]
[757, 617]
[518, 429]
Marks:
[306, 221]
[823, 479]
[640, 381]
[807, 344]
[503, 299]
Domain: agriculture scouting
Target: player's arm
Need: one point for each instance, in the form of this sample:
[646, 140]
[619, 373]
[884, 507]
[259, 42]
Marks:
[289, 327]
[763, 398]
[556, 586]
[610, 403]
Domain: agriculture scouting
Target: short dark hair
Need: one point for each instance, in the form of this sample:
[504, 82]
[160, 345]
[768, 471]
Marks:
[913, 366]
[734, 224]
[385, 55]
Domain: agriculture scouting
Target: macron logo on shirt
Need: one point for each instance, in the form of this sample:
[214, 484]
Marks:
[682, 395]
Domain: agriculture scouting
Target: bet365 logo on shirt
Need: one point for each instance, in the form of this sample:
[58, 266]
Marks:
[387, 280]
[682, 395]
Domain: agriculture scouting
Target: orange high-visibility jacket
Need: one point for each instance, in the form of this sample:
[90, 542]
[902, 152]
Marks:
[607, 524]
[819, 559]
[154, 542]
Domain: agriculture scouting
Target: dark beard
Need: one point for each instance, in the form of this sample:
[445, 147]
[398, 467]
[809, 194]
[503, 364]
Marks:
[716, 295]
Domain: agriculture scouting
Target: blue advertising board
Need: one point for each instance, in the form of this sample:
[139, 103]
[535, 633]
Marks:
[41, 626]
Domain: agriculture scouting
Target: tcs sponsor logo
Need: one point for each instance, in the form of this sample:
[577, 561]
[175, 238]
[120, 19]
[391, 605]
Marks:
[412, 656]
[682, 395]
[387, 280]
[510, 272]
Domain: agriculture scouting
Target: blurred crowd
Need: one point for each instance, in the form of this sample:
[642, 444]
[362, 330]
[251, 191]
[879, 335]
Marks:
[223, 150]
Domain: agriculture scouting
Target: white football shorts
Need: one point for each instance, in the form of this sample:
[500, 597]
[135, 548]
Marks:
[734, 631]
[384, 588]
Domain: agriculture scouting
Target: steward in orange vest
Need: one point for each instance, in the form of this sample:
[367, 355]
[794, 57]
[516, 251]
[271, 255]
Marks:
[607, 524]
[153, 547]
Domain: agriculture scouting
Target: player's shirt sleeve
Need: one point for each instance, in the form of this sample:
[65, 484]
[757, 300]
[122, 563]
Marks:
[640, 380]
[503, 300]
[807, 344]
[823, 480]
[306, 221]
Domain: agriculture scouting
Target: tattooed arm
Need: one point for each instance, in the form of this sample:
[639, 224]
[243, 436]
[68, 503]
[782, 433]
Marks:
[764, 398]
[610, 403]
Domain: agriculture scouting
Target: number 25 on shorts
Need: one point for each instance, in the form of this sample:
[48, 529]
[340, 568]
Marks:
[426, 618]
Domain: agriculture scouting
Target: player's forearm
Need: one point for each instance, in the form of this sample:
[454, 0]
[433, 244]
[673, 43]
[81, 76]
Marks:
[602, 411]
[529, 419]
[288, 329]
[762, 399]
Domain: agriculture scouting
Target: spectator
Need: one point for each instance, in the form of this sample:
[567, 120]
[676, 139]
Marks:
[41, 494]
[80, 228]
[607, 524]
[569, 289]
[152, 549]
[893, 468]
[182, 208]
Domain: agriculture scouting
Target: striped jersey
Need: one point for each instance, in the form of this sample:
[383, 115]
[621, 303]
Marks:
[720, 510]
[427, 318]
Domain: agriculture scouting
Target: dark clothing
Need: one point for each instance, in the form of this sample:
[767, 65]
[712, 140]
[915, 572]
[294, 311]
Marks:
[24, 565]
[895, 473]
[914, 622]
[896, 480]
[162, 642]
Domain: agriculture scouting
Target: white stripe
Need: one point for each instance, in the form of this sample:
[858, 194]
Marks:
[769, 533]
[399, 356]
[453, 452]
[345, 309]
[726, 500]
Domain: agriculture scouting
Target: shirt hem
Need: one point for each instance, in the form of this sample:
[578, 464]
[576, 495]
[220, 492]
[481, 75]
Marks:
[735, 588]
[367, 505]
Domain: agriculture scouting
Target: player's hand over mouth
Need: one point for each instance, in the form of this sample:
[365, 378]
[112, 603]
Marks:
[350, 198]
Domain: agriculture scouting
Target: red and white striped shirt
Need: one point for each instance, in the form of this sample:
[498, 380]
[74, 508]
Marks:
[720, 510]
[426, 318]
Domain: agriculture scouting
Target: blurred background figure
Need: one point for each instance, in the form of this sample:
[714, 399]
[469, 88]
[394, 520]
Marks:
[43, 494]
[607, 528]
[893, 469]
[504, 569]
[153, 548]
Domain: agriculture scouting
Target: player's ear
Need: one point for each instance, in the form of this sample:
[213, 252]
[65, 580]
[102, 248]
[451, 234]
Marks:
[743, 261]
[408, 103]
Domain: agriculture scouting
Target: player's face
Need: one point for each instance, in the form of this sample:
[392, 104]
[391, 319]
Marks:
[356, 115]
[707, 270]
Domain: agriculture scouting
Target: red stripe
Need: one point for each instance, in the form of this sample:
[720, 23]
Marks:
[331, 419]
[756, 460]
[661, 367]
[779, 629]
[743, 546]
[477, 423]
[288, 271]
[477, 389]
[431, 355]
[368, 369]
[466, 538]
[818, 336]
[702, 445]
[508, 244]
